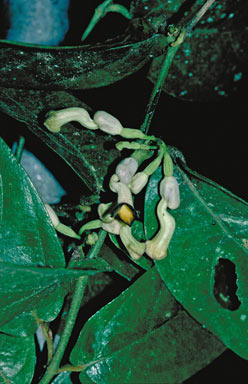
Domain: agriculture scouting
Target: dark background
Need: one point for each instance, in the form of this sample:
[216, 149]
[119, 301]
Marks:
[212, 137]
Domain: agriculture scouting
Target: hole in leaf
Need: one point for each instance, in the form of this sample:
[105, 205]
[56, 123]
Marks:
[225, 285]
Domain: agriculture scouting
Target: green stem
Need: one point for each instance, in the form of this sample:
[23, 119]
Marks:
[168, 58]
[19, 149]
[72, 315]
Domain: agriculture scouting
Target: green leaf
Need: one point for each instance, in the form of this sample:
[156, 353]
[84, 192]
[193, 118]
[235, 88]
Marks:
[17, 359]
[63, 378]
[207, 66]
[84, 150]
[26, 288]
[119, 262]
[206, 267]
[32, 263]
[144, 262]
[143, 337]
[79, 67]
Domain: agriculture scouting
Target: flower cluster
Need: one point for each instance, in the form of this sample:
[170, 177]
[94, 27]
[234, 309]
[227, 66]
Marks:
[128, 181]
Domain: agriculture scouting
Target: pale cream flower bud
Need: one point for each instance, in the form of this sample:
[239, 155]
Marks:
[135, 248]
[102, 212]
[53, 216]
[64, 229]
[113, 227]
[56, 119]
[123, 191]
[156, 248]
[138, 182]
[126, 169]
[107, 123]
[169, 190]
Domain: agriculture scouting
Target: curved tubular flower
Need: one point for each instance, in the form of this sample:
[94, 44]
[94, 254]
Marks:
[107, 123]
[126, 169]
[169, 190]
[111, 125]
[102, 212]
[135, 248]
[123, 191]
[156, 248]
[56, 119]
[113, 227]
[140, 180]
[64, 229]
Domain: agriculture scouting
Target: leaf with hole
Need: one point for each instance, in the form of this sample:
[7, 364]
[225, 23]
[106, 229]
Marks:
[207, 265]
[143, 336]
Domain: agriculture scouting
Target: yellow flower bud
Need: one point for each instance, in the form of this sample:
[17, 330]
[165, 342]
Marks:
[135, 248]
[56, 119]
[169, 190]
[156, 248]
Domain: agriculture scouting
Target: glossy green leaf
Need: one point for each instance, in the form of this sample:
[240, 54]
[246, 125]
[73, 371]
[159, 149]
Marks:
[207, 66]
[119, 262]
[76, 67]
[29, 288]
[84, 150]
[27, 235]
[17, 359]
[207, 266]
[63, 378]
[144, 262]
[32, 272]
[143, 337]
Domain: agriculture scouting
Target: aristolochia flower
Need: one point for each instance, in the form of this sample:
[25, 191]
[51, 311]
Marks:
[56, 119]
[64, 229]
[111, 125]
[126, 169]
[156, 248]
[169, 190]
[134, 247]
[139, 180]
[123, 191]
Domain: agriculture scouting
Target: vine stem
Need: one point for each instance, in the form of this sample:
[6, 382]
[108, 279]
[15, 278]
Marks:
[198, 16]
[19, 148]
[78, 294]
[153, 101]
[167, 61]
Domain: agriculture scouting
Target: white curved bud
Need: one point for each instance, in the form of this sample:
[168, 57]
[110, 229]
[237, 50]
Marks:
[53, 216]
[138, 182]
[102, 209]
[126, 169]
[113, 227]
[56, 119]
[156, 248]
[107, 123]
[169, 190]
[135, 248]
[123, 191]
